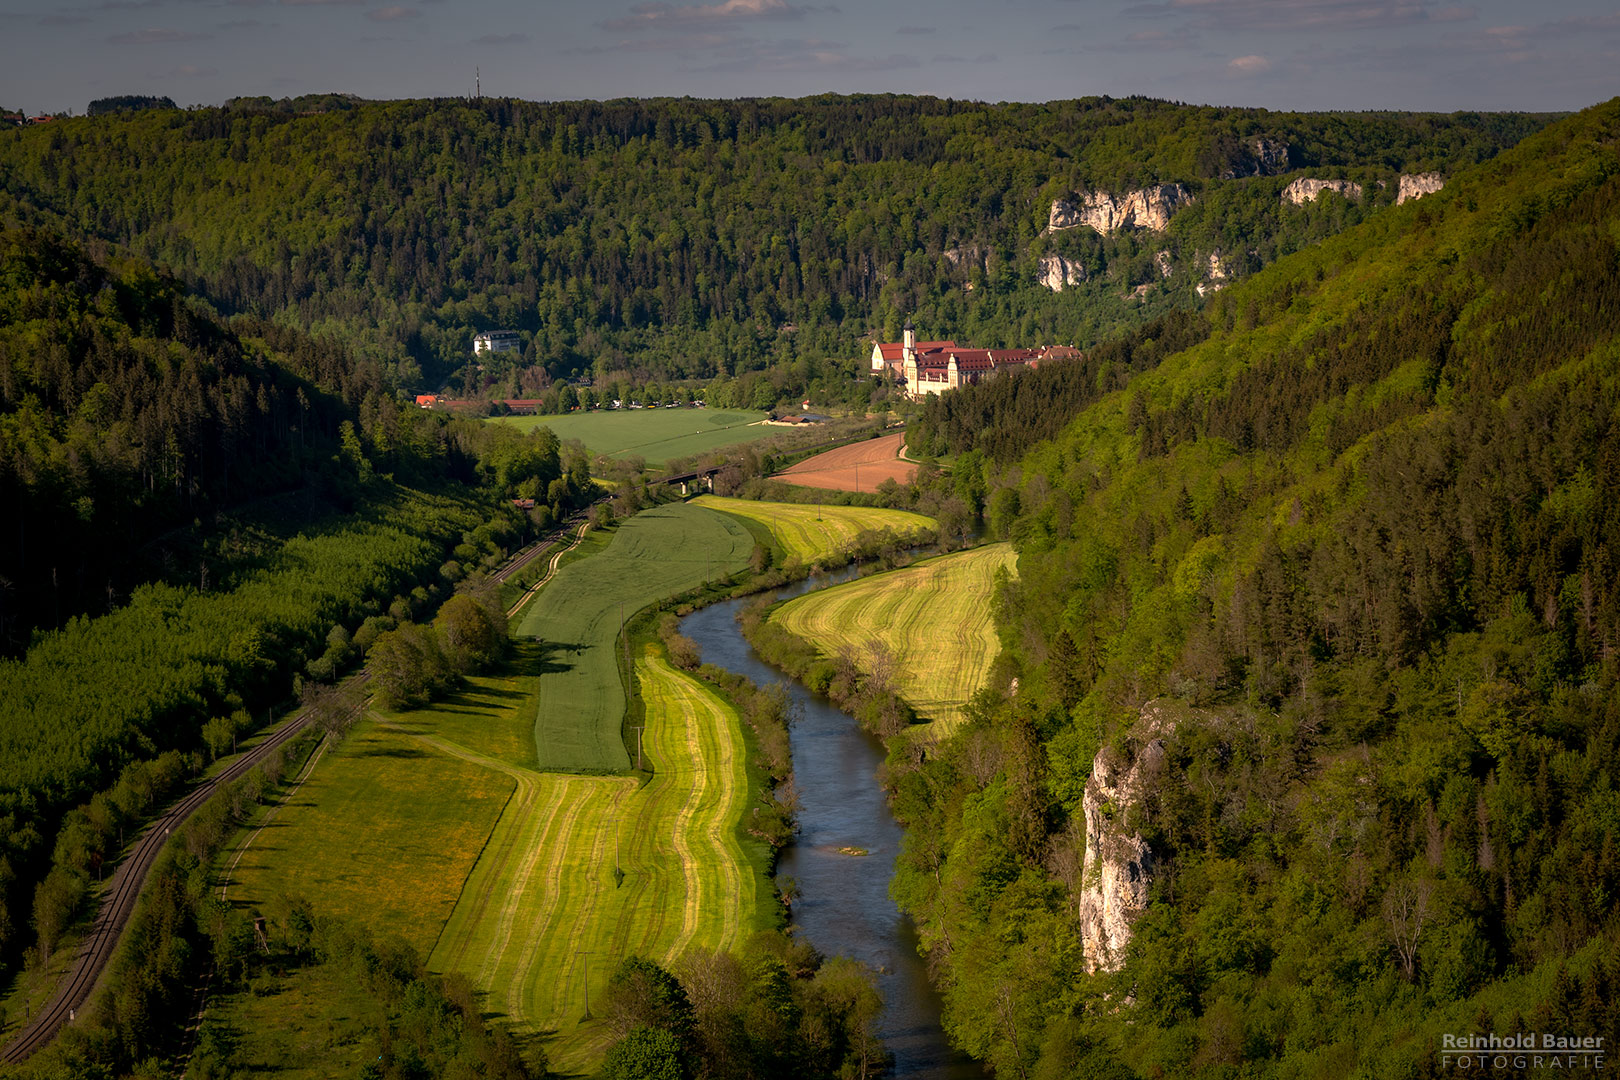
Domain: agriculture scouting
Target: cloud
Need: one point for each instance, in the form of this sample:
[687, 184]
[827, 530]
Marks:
[393, 13]
[1296, 15]
[157, 36]
[1249, 65]
[193, 71]
[649, 14]
[62, 20]
[502, 39]
[916, 30]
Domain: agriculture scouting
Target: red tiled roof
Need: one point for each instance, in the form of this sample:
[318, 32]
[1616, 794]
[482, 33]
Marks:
[892, 351]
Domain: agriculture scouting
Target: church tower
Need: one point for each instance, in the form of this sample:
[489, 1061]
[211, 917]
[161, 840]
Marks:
[908, 350]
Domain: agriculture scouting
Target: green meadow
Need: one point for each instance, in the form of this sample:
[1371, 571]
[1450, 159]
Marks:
[812, 533]
[576, 618]
[655, 435]
[384, 831]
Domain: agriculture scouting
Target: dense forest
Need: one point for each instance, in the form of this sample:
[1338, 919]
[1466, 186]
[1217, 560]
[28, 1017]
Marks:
[678, 239]
[1328, 570]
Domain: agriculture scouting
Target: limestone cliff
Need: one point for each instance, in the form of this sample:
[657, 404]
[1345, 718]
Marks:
[1215, 277]
[1118, 864]
[1054, 271]
[1306, 189]
[1148, 208]
[1419, 185]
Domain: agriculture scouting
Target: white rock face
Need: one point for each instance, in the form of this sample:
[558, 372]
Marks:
[1150, 208]
[1118, 864]
[1054, 271]
[1215, 275]
[1419, 185]
[1306, 189]
[1163, 261]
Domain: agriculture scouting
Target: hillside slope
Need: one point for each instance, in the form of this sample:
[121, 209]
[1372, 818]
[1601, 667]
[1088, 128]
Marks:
[1355, 545]
[683, 238]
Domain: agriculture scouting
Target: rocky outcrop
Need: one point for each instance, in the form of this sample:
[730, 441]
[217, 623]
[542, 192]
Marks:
[1162, 261]
[1149, 208]
[1306, 189]
[1215, 276]
[1418, 185]
[1267, 157]
[972, 255]
[1118, 865]
[1054, 271]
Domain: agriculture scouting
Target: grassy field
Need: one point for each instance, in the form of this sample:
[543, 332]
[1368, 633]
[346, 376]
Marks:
[657, 553]
[933, 619]
[507, 874]
[384, 831]
[543, 904]
[812, 533]
[657, 435]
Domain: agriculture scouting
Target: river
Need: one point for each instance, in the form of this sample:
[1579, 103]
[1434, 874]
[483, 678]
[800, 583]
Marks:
[844, 906]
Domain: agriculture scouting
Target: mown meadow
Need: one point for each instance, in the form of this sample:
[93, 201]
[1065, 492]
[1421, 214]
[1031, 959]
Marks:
[925, 631]
[811, 533]
[576, 618]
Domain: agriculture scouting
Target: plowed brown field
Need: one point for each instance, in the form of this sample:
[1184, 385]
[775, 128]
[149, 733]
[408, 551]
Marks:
[859, 466]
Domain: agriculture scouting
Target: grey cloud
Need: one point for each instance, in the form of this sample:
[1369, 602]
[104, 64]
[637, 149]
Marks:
[157, 36]
[393, 13]
[501, 39]
[1295, 15]
[916, 30]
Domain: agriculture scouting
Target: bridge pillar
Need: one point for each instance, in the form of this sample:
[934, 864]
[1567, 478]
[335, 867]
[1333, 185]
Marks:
[710, 480]
[683, 489]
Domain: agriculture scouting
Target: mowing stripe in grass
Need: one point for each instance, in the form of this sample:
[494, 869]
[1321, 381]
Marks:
[932, 619]
[544, 889]
[811, 533]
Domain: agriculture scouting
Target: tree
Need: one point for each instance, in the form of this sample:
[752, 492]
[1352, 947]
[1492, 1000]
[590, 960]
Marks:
[645, 1054]
[470, 639]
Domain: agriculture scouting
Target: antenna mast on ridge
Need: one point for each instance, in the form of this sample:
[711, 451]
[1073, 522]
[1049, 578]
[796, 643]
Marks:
[478, 84]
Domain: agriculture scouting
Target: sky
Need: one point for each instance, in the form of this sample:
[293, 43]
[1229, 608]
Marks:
[1443, 55]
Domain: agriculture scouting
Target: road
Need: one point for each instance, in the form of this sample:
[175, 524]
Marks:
[118, 901]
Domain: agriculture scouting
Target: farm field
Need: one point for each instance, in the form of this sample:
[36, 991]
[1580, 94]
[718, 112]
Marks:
[507, 874]
[812, 533]
[575, 619]
[542, 905]
[933, 620]
[656, 435]
[859, 466]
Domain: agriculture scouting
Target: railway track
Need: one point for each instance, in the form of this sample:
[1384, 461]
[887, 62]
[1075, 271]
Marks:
[118, 901]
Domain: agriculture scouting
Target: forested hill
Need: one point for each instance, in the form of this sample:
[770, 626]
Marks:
[1355, 538]
[681, 238]
[129, 409]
